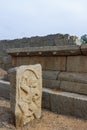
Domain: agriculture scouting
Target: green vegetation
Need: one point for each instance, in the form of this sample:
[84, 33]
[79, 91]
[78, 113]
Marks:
[84, 39]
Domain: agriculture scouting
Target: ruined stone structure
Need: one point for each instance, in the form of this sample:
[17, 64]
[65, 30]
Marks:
[64, 70]
[50, 40]
[64, 76]
[26, 93]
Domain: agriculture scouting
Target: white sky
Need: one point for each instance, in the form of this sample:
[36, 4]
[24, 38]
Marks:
[26, 18]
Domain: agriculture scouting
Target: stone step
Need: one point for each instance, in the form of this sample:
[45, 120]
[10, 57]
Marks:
[73, 82]
[5, 89]
[74, 87]
[49, 83]
[50, 74]
[73, 77]
[50, 79]
[65, 103]
[56, 101]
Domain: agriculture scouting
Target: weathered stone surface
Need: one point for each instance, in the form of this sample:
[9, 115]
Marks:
[1, 60]
[56, 63]
[26, 93]
[67, 103]
[6, 60]
[48, 83]
[73, 77]
[46, 51]
[46, 101]
[84, 49]
[57, 41]
[47, 63]
[4, 89]
[31, 61]
[77, 64]
[2, 72]
[47, 74]
[74, 40]
[73, 87]
[4, 77]
[49, 40]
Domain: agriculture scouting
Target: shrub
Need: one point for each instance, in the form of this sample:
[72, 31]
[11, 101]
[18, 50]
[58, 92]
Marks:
[84, 39]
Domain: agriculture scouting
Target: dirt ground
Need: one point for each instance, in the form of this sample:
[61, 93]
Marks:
[48, 121]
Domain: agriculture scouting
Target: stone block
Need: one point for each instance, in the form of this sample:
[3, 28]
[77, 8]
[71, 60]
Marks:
[84, 49]
[47, 74]
[6, 59]
[54, 63]
[1, 60]
[80, 107]
[4, 89]
[73, 77]
[73, 87]
[4, 77]
[31, 61]
[61, 104]
[2, 72]
[26, 93]
[46, 101]
[60, 50]
[47, 83]
[77, 64]
[67, 103]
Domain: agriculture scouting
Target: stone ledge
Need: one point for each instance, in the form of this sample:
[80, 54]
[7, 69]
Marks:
[73, 77]
[65, 103]
[74, 87]
[46, 51]
[48, 83]
[49, 74]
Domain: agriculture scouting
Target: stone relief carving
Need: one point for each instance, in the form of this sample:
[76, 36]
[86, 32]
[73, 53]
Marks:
[28, 95]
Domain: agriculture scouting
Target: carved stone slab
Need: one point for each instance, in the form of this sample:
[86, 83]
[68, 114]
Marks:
[26, 93]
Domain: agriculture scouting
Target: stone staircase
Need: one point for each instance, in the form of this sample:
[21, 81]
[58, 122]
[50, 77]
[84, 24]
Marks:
[63, 92]
[68, 95]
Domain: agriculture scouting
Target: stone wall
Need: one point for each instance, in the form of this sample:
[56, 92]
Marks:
[64, 67]
[50, 40]
[64, 76]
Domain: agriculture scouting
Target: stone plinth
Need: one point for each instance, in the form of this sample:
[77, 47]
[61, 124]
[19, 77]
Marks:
[26, 93]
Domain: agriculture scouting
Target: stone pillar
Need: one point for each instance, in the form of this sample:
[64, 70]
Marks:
[25, 93]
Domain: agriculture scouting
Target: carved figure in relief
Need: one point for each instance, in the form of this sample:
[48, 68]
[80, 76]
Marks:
[29, 95]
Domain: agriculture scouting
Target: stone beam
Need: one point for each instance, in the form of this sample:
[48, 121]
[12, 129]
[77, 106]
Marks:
[46, 51]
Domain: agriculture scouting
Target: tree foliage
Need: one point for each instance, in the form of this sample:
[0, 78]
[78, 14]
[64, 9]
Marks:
[84, 39]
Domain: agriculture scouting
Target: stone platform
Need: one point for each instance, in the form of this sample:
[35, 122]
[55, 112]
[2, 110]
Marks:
[57, 101]
[64, 76]
[65, 103]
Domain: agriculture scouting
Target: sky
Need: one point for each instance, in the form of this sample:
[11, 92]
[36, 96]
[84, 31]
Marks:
[26, 18]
